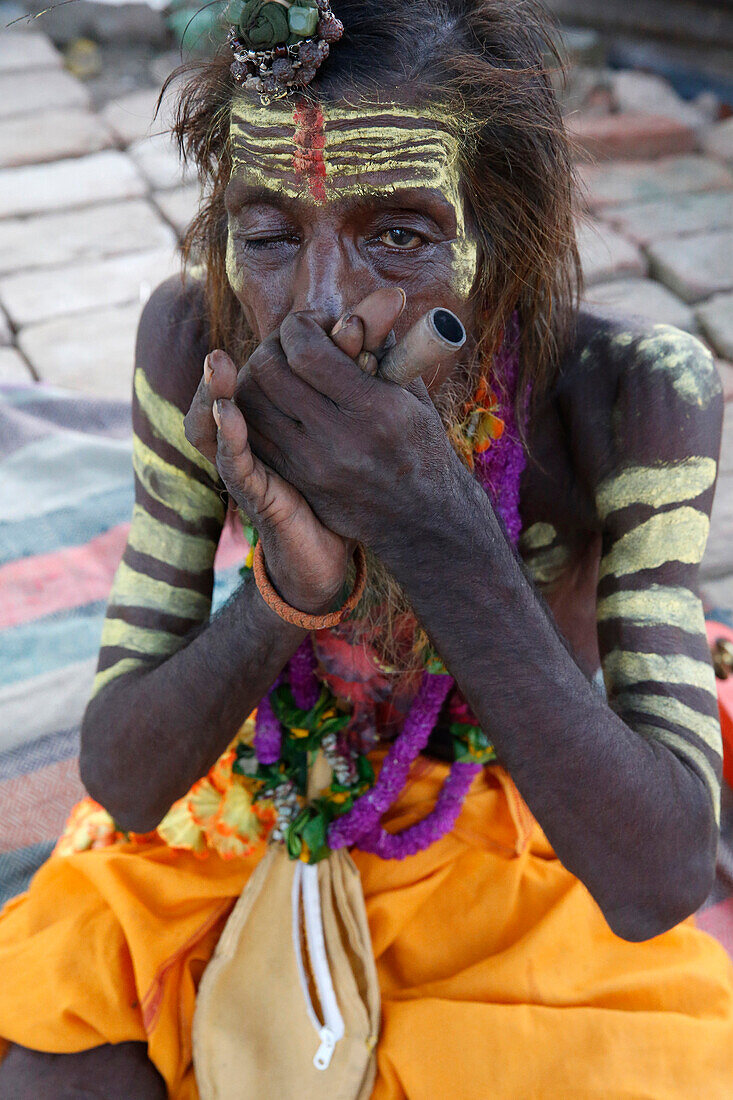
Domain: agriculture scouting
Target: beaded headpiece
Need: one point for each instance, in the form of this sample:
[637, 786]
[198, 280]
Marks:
[278, 45]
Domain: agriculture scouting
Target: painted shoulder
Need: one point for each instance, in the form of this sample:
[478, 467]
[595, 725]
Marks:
[631, 391]
[173, 339]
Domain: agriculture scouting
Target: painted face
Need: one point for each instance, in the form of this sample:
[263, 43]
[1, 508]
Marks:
[328, 204]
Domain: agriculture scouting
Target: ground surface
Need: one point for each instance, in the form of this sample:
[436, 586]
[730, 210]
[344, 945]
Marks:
[93, 203]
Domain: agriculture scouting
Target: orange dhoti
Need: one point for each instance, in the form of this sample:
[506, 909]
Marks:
[499, 976]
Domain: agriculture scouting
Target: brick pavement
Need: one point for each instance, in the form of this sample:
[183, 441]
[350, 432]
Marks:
[92, 204]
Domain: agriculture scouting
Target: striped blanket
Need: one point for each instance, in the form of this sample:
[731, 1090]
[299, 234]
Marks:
[65, 504]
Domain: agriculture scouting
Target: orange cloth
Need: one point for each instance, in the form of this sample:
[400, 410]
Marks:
[499, 976]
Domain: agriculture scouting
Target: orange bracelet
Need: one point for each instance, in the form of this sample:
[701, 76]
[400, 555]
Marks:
[302, 618]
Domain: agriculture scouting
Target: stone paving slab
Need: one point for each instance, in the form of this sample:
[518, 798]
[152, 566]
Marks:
[24, 50]
[650, 181]
[606, 255]
[642, 298]
[13, 367]
[92, 233]
[629, 136]
[677, 216]
[694, 267]
[132, 116]
[6, 335]
[71, 132]
[91, 352]
[179, 206]
[34, 91]
[637, 91]
[99, 177]
[718, 140]
[158, 160]
[716, 321]
[30, 297]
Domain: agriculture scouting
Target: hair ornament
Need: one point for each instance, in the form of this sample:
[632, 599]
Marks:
[279, 45]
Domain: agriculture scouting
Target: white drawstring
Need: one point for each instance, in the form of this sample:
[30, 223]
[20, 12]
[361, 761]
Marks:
[305, 884]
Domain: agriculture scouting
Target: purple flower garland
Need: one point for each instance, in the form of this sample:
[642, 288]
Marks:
[499, 471]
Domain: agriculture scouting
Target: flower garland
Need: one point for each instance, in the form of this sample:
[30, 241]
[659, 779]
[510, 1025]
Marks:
[349, 812]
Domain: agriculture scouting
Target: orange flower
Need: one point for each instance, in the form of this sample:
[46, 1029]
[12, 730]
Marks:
[179, 830]
[88, 826]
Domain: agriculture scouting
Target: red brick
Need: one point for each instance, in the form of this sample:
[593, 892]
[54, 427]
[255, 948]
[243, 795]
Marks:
[629, 136]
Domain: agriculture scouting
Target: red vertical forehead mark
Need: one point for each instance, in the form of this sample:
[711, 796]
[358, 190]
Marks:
[309, 161]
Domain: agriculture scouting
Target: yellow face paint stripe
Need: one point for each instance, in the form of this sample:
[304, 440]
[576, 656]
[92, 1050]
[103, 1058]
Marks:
[158, 540]
[680, 747]
[119, 669]
[622, 668]
[655, 486]
[166, 422]
[679, 535]
[174, 488]
[538, 536]
[672, 710]
[119, 634]
[655, 606]
[133, 589]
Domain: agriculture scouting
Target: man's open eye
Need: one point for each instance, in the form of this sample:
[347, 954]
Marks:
[404, 239]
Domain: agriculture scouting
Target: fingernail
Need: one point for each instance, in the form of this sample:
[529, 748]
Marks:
[216, 412]
[208, 372]
[404, 300]
[342, 323]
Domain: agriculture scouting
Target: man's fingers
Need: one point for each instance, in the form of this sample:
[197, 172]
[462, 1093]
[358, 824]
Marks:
[312, 356]
[348, 335]
[218, 380]
[240, 471]
[378, 313]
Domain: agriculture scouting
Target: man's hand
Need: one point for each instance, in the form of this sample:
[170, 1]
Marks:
[366, 454]
[306, 560]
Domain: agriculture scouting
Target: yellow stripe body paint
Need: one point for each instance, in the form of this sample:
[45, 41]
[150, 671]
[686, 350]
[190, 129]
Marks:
[623, 668]
[679, 535]
[133, 589]
[128, 664]
[538, 536]
[680, 746]
[678, 713]
[192, 553]
[172, 487]
[655, 486]
[657, 605]
[140, 639]
[166, 422]
[327, 154]
[687, 363]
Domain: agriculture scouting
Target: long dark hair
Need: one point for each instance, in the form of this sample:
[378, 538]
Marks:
[490, 61]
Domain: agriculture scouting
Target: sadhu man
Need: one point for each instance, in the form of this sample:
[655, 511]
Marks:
[506, 851]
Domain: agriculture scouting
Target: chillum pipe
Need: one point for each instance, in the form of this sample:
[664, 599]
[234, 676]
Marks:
[432, 340]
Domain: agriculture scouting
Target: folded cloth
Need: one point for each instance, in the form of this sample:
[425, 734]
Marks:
[498, 974]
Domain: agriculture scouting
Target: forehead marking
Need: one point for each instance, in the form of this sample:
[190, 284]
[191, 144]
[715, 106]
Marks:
[309, 161]
[314, 150]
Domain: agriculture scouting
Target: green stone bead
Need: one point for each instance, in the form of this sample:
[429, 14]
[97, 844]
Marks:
[303, 21]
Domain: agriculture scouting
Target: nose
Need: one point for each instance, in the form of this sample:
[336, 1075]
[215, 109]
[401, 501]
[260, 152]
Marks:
[328, 277]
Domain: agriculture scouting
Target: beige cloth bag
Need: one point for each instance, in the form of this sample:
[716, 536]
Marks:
[292, 986]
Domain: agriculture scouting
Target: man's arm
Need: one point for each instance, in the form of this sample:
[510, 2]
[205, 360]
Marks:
[628, 794]
[627, 812]
[172, 687]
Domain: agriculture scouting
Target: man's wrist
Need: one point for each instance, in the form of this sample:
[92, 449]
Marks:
[453, 513]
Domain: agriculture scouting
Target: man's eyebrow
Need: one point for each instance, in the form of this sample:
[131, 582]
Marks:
[238, 194]
[420, 200]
